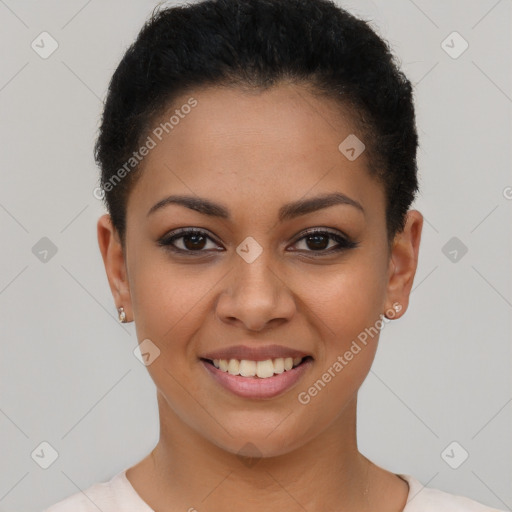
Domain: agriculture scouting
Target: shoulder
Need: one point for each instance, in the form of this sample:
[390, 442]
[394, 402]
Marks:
[102, 496]
[426, 499]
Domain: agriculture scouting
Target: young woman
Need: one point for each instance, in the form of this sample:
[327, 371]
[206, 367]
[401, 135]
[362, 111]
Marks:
[258, 162]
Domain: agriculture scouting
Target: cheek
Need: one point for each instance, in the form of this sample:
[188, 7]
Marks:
[346, 311]
[166, 299]
[346, 305]
[347, 298]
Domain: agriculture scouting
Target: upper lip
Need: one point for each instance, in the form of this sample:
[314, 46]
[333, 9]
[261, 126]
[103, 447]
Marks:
[260, 353]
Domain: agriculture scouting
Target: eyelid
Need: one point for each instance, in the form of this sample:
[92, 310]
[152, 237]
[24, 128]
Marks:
[321, 230]
[187, 231]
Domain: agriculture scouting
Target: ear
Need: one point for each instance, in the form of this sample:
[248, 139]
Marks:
[403, 263]
[115, 264]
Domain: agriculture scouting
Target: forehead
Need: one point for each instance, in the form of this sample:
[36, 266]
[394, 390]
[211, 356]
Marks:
[286, 117]
[282, 141]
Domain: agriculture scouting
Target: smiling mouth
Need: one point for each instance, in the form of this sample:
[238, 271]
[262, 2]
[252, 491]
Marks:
[257, 369]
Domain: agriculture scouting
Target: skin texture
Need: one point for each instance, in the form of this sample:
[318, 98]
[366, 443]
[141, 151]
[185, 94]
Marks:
[254, 152]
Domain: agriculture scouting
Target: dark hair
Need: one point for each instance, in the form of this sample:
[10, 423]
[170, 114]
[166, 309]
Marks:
[256, 44]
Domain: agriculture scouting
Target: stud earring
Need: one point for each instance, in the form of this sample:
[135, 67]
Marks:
[396, 309]
[122, 315]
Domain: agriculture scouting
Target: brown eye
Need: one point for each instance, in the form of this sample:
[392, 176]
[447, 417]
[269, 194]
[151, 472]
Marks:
[194, 241]
[318, 241]
[188, 241]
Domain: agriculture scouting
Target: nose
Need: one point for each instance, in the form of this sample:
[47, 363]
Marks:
[256, 295]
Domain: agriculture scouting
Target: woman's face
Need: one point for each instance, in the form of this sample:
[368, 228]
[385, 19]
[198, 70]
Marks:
[253, 277]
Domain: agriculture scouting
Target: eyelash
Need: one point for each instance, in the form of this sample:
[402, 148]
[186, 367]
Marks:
[344, 243]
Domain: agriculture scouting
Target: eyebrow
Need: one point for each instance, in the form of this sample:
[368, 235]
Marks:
[286, 212]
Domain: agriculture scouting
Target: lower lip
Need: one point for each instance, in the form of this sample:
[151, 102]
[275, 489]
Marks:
[255, 387]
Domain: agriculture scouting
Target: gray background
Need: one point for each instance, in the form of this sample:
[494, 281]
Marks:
[68, 375]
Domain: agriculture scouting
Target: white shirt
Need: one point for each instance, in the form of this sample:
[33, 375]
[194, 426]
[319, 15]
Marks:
[118, 495]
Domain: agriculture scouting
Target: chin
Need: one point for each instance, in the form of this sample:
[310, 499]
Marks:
[261, 439]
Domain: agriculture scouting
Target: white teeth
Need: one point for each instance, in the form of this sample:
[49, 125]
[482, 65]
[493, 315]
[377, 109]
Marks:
[265, 369]
[247, 368]
[279, 365]
[233, 366]
[262, 369]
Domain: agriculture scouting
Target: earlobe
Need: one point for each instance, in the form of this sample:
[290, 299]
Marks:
[403, 264]
[115, 266]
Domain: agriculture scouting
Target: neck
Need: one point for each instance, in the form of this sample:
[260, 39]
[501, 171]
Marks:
[326, 473]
